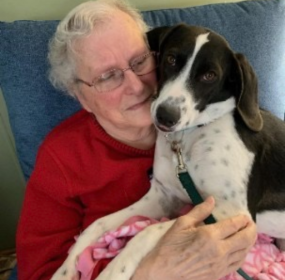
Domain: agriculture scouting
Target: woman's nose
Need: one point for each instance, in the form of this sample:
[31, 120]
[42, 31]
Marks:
[133, 83]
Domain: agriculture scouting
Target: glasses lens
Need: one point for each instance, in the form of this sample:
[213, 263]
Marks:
[144, 64]
[112, 79]
[109, 80]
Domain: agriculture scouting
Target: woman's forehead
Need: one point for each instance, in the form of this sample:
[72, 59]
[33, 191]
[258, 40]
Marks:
[111, 45]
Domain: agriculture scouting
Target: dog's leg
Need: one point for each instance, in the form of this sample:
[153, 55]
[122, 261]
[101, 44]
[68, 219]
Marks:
[155, 204]
[125, 264]
[272, 223]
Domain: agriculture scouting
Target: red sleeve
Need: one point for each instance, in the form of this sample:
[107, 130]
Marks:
[49, 221]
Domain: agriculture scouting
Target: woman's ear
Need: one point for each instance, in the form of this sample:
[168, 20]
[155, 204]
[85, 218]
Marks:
[81, 98]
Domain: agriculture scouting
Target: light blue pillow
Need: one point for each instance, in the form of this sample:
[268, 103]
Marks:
[255, 28]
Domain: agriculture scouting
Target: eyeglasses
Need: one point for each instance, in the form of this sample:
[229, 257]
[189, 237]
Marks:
[112, 79]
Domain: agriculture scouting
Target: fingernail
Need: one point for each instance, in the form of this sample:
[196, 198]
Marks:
[210, 200]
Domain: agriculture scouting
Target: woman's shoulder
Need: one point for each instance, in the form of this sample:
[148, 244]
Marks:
[69, 130]
[73, 123]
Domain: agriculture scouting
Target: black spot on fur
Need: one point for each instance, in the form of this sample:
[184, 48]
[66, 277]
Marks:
[209, 149]
[228, 184]
[225, 162]
[180, 99]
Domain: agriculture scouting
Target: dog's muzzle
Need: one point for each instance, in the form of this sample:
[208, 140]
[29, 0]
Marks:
[167, 117]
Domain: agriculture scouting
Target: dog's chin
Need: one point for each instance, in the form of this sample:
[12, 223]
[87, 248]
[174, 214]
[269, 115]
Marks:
[163, 128]
[177, 129]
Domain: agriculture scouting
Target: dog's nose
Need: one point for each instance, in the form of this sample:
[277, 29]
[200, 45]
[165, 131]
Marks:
[167, 116]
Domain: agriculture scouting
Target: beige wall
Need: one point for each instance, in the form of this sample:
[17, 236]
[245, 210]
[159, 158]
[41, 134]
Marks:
[55, 9]
[11, 182]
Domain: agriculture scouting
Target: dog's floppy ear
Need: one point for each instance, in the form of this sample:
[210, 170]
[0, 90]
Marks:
[156, 37]
[247, 99]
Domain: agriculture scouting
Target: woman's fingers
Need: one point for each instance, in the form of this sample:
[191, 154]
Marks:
[223, 229]
[197, 215]
[228, 227]
[237, 257]
[243, 239]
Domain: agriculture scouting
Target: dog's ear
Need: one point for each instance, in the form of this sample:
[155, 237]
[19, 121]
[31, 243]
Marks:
[247, 98]
[157, 36]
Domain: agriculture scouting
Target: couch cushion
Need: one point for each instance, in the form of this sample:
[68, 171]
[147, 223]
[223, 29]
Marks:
[255, 28]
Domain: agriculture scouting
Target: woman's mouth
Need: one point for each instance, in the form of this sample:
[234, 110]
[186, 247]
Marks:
[140, 104]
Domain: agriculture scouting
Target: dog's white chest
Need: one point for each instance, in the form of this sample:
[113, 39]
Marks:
[217, 160]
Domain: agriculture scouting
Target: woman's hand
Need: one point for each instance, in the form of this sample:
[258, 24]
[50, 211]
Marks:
[191, 251]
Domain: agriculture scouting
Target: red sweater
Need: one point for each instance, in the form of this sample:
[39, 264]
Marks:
[81, 174]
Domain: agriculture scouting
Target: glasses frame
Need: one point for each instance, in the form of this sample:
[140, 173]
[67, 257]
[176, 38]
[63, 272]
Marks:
[123, 70]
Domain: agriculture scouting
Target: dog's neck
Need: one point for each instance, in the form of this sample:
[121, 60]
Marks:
[210, 114]
[213, 112]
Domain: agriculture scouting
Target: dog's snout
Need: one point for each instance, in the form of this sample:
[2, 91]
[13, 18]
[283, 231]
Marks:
[167, 116]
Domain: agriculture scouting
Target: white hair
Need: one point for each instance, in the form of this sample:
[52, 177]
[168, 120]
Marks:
[78, 24]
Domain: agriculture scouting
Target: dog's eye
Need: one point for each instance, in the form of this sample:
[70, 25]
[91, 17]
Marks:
[171, 60]
[208, 77]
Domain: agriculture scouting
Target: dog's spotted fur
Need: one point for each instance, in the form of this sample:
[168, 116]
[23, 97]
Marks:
[207, 101]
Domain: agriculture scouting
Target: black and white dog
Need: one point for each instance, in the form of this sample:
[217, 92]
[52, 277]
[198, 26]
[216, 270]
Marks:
[207, 103]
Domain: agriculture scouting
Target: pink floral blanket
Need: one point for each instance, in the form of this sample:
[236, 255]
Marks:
[263, 262]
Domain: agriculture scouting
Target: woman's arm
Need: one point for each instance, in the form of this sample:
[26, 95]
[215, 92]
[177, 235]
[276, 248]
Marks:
[49, 221]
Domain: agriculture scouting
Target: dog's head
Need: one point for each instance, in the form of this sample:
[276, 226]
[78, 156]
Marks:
[200, 79]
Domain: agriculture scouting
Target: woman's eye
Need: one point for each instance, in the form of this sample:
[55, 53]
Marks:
[208, 77]
[107, 76]
[171, 60]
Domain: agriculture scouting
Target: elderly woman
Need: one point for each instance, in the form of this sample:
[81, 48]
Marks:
[98, 161]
